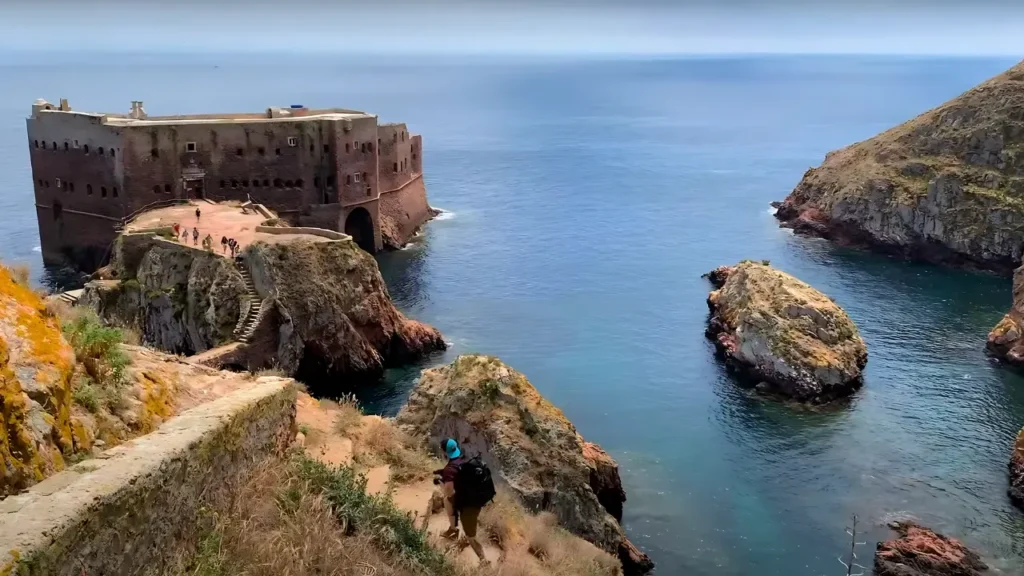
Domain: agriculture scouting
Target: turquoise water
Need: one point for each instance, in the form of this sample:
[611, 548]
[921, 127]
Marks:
[584, 199]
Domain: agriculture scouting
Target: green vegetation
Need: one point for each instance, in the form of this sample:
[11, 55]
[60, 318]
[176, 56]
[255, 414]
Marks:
[104, 381]
[388, 527]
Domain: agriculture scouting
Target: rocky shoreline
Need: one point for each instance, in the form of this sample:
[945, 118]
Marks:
[919, 551]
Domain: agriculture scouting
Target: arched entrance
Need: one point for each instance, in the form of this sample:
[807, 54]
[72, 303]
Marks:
[359, 225]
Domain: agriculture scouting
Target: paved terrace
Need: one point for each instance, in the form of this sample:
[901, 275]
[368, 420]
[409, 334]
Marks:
[225, 219]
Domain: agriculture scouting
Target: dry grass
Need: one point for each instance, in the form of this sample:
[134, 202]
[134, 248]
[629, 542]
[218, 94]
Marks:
[348, 415]
[381, 442]
[274, 371]
[21, 274]
[275, 525]
[534, 545]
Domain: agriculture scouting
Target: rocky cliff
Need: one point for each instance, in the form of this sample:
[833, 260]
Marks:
[180, 299]
[332, 314]
[1006, 340]
[919, 551]
[1017, 472]
[495, 412]
[788, 337]
[947, 186]
[325, 312]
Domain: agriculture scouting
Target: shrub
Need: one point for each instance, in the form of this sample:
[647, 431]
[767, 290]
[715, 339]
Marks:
[382, 440]
[98, 350]
[348, 414]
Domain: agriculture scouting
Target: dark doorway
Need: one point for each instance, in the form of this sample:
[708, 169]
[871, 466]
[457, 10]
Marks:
[194, 189]
[359, 225]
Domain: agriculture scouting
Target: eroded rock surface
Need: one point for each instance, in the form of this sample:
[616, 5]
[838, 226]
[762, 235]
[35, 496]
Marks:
[946, 186]
[921, 552]
[1017, 472]
[1006, 340]
[495, 412]
[783, 334]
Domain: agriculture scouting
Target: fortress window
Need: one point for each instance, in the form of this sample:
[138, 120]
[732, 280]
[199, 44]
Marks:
[234, 183]
[266, 183]
[255, 183]
[239, 152]
[54, 145]
[364, 177]
[154, 153]
[88, 189]
[71, 186]
[85, 148]
[363, 148]
[57, 183]
[277, 182]
[40, 182]
[111, 152]
[221, 183]
[100, 150]
[396, 136]
[67, 146]
[36, 143]
[311, 148]
[330, 180]
[316, 181]
[190, 147]
[299, 183]
[47, 182]
[347, 148]
[113, 191]
[293, 141]
[245, 183]
[413, 155]
[288, 183]
[156, 189]
[378, 143]
[396, 166]
[76, 144]
[261, 151]
[357, 177]
[167, 188]
[103, 191]
[327, 148]
[277, 151]
[348, 179]
[369, 191]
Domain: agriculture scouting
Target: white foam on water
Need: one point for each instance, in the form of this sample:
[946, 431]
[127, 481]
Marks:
[772, 210]
[444, 215]
[37, 248]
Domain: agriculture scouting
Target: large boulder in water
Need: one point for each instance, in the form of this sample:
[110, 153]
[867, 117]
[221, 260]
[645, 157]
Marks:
[529, 444]
[778, 330]
[36, 370]
[1017, 472]
[921, 552]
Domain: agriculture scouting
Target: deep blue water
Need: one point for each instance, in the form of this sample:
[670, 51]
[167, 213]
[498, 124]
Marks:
[585, 199]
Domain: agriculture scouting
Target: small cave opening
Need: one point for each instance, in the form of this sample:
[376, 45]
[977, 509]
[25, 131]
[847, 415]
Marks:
[325, 379]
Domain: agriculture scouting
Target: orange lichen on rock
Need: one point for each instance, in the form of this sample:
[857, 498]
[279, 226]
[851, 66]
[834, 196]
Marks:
[36, 369]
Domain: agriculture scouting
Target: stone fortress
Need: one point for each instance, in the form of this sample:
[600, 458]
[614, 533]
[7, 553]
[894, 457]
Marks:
[335, 168]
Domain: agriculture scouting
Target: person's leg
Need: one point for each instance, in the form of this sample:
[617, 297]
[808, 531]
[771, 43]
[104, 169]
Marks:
[469, 521]
[453, 520]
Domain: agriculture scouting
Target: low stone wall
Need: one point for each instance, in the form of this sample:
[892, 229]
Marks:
[303, 230]
[134, 507]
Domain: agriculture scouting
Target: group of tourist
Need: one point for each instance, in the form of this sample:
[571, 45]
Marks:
[225, 242]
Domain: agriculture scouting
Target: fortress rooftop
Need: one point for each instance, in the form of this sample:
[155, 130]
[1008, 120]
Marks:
[137, 115]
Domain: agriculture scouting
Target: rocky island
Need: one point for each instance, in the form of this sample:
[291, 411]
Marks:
[784, 335]
[919, 551]
[945, 187]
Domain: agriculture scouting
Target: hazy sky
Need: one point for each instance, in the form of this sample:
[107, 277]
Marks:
[524, 26]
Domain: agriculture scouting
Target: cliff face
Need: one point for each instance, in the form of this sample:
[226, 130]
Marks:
[331, 312]
[36, 370]
[495, 412]
[947, 186]
[778, 330]
[1006, 340]
[1017, 472]
[181, 300]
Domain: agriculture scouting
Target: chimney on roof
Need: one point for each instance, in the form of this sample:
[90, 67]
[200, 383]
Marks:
[64, 105]
[138, 112]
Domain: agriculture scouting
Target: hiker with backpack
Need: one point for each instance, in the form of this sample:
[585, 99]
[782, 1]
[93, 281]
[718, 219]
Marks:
[468, 487]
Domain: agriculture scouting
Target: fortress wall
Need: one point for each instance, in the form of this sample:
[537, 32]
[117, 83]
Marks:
[82, 238]
[403, 211]
[136, 506]
[357, 160]
[323, 216]
[396, 167]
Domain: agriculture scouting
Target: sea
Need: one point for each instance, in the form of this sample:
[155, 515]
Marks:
[582, 200]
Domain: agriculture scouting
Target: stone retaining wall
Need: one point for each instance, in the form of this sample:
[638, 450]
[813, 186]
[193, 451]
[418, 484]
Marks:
[303, 230]
[135, 507]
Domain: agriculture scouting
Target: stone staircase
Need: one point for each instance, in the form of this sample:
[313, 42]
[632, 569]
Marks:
[252, 306]
[71, 296]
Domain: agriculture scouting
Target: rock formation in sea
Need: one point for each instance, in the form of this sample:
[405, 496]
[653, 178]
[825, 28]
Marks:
[786, 336]
[1006, 340]
[1016, 490]
[946, 186]
[324, 310]
[919, 551]
[532, 448]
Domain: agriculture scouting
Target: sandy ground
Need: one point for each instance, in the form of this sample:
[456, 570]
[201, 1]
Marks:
[226, 220]
[326, 444]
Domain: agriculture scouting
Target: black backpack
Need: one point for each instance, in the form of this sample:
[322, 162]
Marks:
[473, 485]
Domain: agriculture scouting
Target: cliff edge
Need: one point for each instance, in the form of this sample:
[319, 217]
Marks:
[946, 186]
[784, 334]
[494, 412]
